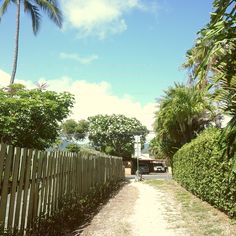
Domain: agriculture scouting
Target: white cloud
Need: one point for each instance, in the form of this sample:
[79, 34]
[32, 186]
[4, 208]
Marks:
[95, 98]
[100, 17]
[4, 78]
[76, 57]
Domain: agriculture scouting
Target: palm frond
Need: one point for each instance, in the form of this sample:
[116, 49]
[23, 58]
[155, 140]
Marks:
[4, 7]
[35, 15]
[215, 50]
[50, 7]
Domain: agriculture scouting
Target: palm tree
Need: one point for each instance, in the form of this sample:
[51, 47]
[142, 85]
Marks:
[214, 42]
[220, 58]
[184, 112]
[33, 8]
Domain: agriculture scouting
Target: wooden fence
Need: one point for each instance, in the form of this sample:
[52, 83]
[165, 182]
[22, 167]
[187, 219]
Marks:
[32, 182]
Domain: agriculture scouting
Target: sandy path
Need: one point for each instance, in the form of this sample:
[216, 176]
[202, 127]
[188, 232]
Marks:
[152, 212]
[137, 210]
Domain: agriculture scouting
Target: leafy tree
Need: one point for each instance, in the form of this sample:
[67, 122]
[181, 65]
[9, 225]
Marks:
[82, 129]
[213, 59]
[75, 130]
[115, 134]
[184, 112]
[56, 144]
[72, 147]
[33, 8]
[30, 118]
[69, 128]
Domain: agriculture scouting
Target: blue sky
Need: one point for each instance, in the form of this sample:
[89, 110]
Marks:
[131, 49]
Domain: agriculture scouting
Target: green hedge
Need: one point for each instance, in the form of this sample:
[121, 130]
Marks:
[201, 168]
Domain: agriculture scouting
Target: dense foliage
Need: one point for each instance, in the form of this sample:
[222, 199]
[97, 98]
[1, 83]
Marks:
[184, 112]
[73, 147]
[213, 54]
[115, 134]
[30, 118]
[75, 130]
[201, 167]
[155, 149]
[212, 61]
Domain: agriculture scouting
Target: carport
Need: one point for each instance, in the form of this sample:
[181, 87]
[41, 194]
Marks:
[145, 159]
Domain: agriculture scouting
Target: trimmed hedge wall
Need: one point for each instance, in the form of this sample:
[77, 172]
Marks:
[200, 167]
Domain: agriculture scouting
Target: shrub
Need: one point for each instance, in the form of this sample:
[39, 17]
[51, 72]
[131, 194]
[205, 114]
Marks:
[73, 147]
[201, 168]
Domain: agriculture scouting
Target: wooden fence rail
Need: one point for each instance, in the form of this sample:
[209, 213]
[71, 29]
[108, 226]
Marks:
[32, 182]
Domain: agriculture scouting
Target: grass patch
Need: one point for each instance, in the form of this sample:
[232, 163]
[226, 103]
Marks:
[199, 218]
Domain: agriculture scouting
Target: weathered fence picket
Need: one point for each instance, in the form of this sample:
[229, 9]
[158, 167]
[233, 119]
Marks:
[13, 188]
[4, 189]
[33, 182]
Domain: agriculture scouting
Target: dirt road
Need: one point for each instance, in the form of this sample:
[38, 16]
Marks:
[159, 208]
[137, 210]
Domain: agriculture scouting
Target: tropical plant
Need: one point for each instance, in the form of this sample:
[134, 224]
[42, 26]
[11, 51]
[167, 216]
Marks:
[33, 8]
[214, 46]
[155, 149]
[212, 61]
[184, 112]
[115, 134]
[31, 118]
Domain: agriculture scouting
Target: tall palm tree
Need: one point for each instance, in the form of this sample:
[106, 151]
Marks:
[33, 8]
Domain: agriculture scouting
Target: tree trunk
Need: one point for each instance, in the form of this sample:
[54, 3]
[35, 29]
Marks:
[16, 42]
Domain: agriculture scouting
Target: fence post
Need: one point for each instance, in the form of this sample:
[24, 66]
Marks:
[26, 189]
[13, 187]
[8, 156]
[32, 188]
[20, 188]
[41, 179]
[38, 183]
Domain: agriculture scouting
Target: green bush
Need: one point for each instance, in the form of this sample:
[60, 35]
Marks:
[201, 168]
[73, 147]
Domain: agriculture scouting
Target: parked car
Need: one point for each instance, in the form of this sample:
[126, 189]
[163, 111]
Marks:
[160, 167]
[144, 169]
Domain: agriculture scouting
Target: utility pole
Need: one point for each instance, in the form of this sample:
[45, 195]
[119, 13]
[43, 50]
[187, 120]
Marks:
[137, 153]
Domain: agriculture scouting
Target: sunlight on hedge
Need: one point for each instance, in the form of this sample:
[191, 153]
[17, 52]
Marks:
[201, 168]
